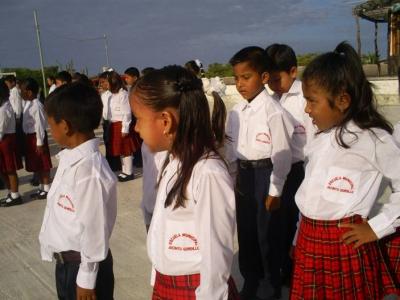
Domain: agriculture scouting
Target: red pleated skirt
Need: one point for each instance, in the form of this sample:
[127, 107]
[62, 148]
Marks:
[183, 287]
[326, 268]
[391, 249]
[35, 162]
[10, 161]
[119, 145]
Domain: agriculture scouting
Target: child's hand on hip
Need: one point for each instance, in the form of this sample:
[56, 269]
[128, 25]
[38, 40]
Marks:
[358, 234]
[272, 203]
[85, 294]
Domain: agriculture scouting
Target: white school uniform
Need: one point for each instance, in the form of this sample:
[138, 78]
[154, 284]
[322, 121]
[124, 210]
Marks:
[7, 119]
[152, 164]
[34, 120]
[261, 129]
[118, 109]
[16, 101]
[340, 182]
[197, 238]
[52, 88]
[293, 102]
[81, 209]
[105, 99]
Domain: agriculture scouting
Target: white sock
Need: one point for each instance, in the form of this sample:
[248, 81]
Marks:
[14, 195]
[127, 166]
[46, 187]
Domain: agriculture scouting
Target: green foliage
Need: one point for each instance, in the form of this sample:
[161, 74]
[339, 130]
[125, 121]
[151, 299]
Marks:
[369, 58]
[305, 59]
[35, 74]
[221, 70]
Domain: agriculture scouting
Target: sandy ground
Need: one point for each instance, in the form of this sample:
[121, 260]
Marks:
[24, 276]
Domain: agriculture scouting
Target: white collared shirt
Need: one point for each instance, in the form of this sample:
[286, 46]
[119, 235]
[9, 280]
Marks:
[343, 182]
[293, 101]
[52, 88]
[118, 109]
[81, 209]
[7, 119]
[152, 164]
[105, 99]
[16, 101]
[34, 120]
[261, 129]
[197, 238]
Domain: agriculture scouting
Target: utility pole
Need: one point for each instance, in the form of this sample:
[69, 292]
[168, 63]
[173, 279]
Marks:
[40, 51]
[106, 47]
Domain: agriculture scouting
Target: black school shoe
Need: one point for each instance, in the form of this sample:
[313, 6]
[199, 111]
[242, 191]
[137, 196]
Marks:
[124, 177]
[39, 195]
[6, 202]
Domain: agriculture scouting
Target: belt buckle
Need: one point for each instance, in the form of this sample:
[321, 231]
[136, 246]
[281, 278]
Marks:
[58, 257]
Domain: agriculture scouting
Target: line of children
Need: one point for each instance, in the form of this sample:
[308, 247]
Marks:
[10, 161]
[190, 246]
[260, 132]
[82, 203]
[336, 255]
[37, 154]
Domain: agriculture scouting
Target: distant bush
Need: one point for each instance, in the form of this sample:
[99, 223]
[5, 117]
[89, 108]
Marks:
[305, 59]
[217, 69]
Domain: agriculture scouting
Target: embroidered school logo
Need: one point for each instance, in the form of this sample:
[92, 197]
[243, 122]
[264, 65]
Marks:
[263, 137]
[341, 184]
[183, 242]
[299, 129]
[65, 202]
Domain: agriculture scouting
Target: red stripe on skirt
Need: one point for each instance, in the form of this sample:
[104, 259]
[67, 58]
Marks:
[10, 161]
[326, 268]
[391, 249]
[34, 161]
[183, 287]
[119, 145]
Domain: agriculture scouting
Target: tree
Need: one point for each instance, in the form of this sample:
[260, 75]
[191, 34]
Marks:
[221, 70]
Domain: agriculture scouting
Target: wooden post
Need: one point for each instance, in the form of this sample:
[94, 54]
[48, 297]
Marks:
[376, 49]
[358, 36]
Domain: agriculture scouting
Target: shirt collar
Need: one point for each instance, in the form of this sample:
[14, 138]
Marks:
[72, 156]
[295, 89]
[257, 102]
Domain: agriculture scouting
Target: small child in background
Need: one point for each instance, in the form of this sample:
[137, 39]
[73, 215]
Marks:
[10, 161]
[62, 78]
[51, 83]
[15, 96]
[260, 148]
[337, 255]
[37, 154]
[82, 203]
[190, 240]
[132, 74]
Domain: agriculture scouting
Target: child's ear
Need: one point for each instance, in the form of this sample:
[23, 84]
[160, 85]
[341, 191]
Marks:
[169, 122]
[66, 127]
[265, 77]
[343, 102]
[293, 72]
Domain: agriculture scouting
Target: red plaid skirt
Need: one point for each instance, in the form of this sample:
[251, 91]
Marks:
[391, 250]
[119, 145]
[326, 268]
[183, 287]
[10, 161]
[35, 162]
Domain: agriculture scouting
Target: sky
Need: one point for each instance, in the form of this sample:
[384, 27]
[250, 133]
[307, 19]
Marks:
[155, 33]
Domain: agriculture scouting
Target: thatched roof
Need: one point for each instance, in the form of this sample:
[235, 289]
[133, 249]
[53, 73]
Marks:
[375, 10]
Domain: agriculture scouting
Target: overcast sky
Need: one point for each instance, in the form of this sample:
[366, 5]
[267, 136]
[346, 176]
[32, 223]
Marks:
[155, 33]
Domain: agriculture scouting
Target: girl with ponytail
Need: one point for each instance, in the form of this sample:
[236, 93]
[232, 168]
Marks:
[190, 240]
[337, 254]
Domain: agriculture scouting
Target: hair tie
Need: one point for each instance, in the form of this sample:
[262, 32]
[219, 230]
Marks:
[341, 53]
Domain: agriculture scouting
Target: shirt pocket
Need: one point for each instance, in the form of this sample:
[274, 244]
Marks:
[181, 243]
[261, 139]
[341, 185]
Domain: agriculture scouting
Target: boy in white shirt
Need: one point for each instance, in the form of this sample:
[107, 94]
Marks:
[81, 204]
[260, 146]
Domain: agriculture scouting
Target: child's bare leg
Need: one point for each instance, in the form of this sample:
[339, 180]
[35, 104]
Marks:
[13, 182]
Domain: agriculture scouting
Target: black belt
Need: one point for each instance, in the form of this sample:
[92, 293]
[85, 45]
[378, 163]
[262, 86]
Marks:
[67, 257]
[255, 164]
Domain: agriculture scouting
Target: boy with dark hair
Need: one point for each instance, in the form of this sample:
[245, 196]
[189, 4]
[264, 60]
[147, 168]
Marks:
[288, 92]
[63, 77]
[132, 74]
[82, 201]
[260, 132]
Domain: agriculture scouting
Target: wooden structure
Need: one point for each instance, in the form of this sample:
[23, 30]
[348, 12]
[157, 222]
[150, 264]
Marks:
[382, 11]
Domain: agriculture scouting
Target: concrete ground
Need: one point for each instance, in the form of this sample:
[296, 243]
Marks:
[24, 276]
